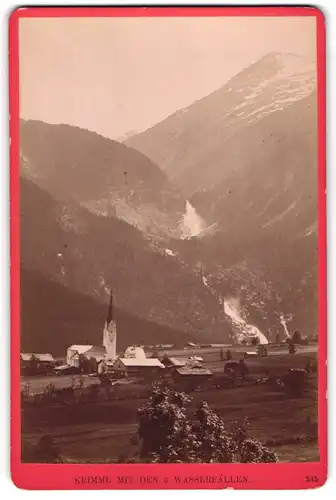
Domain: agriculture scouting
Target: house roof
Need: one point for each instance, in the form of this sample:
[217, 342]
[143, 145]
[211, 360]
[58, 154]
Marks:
[62, 367]
[141, 362]
[186, 370]
[46, 357]
[80, 348]
[176, 361]
[96, 350]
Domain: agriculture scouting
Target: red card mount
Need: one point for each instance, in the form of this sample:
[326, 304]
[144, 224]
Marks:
[31, 410]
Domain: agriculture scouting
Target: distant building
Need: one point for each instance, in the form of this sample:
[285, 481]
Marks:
[250, 354]
[106, 351]
[173, 362]
[41, 358]
[187, 373]
[138, 366]
[135, 352]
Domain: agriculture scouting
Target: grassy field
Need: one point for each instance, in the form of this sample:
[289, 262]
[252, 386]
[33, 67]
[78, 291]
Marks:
[102, 430]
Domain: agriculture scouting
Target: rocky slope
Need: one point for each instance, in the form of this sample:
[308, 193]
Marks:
[199, 145]
[103, 175]
[246, 158]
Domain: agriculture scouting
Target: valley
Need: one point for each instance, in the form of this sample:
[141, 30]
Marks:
[183, 233]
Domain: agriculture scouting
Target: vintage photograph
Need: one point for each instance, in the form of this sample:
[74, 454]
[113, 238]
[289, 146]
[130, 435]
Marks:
[168, 239]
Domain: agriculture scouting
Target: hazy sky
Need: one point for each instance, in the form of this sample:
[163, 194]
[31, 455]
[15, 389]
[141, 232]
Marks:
[113, 75]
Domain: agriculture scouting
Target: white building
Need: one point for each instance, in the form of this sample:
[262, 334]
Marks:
[135, 352]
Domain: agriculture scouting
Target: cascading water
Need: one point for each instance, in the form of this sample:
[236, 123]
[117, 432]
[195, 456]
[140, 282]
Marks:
[284, 324]
[192, 223]
[244, 330]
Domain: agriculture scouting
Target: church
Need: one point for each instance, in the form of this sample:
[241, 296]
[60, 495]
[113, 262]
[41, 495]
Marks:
[132, 360]
[105, 352]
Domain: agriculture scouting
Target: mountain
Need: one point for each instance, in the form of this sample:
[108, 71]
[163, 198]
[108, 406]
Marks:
[246, 159]
[199, 145]
[53, 317]
[100, 174]
[88, 253]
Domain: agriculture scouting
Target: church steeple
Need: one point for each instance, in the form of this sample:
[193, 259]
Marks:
[110, 332]
[110, 310]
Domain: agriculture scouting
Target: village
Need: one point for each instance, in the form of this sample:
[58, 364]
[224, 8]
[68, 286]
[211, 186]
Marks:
[89, 404]
[198, 364]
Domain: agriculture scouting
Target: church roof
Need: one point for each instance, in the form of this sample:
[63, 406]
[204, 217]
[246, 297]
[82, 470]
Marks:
[96, 349]
[80, 348]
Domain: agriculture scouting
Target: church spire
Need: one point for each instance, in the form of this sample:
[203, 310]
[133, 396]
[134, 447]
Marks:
[110, 332]
[110, 310]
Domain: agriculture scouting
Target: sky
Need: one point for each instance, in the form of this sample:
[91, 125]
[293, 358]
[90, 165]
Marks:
[121, 75]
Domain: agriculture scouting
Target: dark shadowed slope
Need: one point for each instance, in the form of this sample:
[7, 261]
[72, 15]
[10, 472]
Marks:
[101, 174]
[54, 317]
[88, 253]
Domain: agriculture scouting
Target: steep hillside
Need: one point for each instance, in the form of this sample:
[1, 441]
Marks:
[89, 254]
[103, 175]
[246, 158]
[54, 317]
[199, 145]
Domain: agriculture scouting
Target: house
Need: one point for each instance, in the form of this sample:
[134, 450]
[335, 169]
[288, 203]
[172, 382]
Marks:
[41, 358]
[36, 363]
[164, 346]
[250, 354]
[191, 345]
[134, 351]
[192, 372]
[198, 359]
[173, 362]
[191, 377]
[138, 366]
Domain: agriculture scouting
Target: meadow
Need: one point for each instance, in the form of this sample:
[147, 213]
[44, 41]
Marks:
[104, 430]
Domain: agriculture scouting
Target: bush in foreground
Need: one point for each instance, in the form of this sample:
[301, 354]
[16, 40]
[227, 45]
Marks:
[168, 436]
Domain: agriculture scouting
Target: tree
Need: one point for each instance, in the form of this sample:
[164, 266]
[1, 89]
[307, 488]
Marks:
[243, 368]
[168, 435]
[93, 365]
[296, 337]
[295, 382]
[84, 364]
[291, 348]
[262, 351]
[277, 339]
[45, 451]
[255, 341]
[33, 364]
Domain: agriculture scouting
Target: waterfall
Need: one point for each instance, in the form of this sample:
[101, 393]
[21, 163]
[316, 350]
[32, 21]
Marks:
[245, 331]
[192, 224]
[284, 324]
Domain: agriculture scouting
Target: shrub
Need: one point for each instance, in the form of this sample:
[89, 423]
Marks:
[167, 435]
[295, 382]
[228, 355]
[45, 451]
[296, 337]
